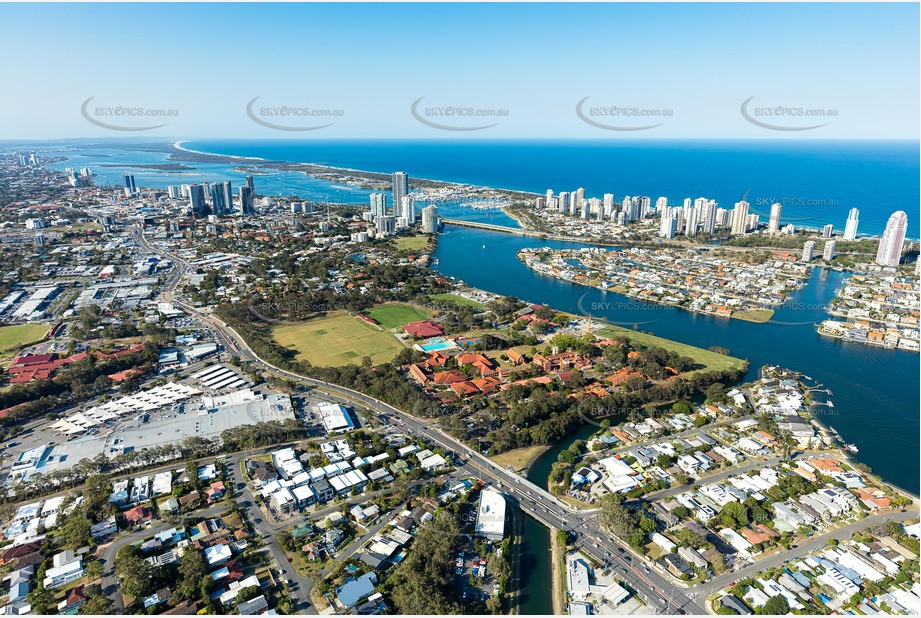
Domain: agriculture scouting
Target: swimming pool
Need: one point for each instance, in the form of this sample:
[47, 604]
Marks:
[437, 344]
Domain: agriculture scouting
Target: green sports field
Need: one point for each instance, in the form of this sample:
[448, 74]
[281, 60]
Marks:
[395, 315]
[710, 360]
[337, 340]
[413, 243]
[457, 299]
[14, 337]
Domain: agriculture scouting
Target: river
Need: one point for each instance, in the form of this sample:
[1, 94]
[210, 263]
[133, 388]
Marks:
[536, 569]
[875, 391]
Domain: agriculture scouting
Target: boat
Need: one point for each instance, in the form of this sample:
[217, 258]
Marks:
[852, 448]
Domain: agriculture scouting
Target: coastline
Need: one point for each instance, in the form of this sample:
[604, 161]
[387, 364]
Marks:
[846, 456]
[177, 145]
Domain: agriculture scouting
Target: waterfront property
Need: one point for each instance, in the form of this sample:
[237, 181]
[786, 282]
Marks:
[739, 285]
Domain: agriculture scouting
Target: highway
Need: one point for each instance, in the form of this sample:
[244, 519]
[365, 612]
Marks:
[654, 588]
[639, 574]
[534, 500]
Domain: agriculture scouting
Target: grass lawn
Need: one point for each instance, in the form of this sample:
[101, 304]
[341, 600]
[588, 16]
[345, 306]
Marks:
[457, 300]
[412, 243]
[518, 458]
[337, 340]
[759, 316]
[78, 227]
[395, 315]
[710, 360]
[14, 337]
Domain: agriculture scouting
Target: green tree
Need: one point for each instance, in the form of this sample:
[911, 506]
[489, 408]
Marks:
[97, 605]
[136, 574]
[192, 570]
[41, 599]
[775, 606]
[245, 594]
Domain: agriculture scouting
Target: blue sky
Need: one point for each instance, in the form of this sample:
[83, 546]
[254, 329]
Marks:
[692, 65]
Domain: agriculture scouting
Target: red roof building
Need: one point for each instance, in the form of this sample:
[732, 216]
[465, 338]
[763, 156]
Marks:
[424, 329]
[449, 377]
[138, 515]
[465, 388]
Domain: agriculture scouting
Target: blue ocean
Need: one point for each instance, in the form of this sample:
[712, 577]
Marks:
[817, 182]
[875, 391]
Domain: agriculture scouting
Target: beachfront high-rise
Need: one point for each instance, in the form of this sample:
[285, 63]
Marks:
[400, 188]
[890, 246]
[774, 221]
[740, 218]
[690, 225]
[430, 219]
[708, 216]
[850, 228]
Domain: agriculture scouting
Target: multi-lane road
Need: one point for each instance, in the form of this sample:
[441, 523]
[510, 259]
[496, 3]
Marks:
[639, 574]
[533, 500]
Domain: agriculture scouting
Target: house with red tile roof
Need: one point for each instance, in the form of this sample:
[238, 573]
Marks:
[528, 381]
[216, 491]
[436, 359]
[138, 515]
[469, 358]
[487, 386]
[563, 360]
[465, 388]
[418, 374]
[448, 377]
[624, 374]
[826, 465]
[33, 359]
[515, 357]
[121, 376]
[758, 533]
[874, 498]
[424, 329]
